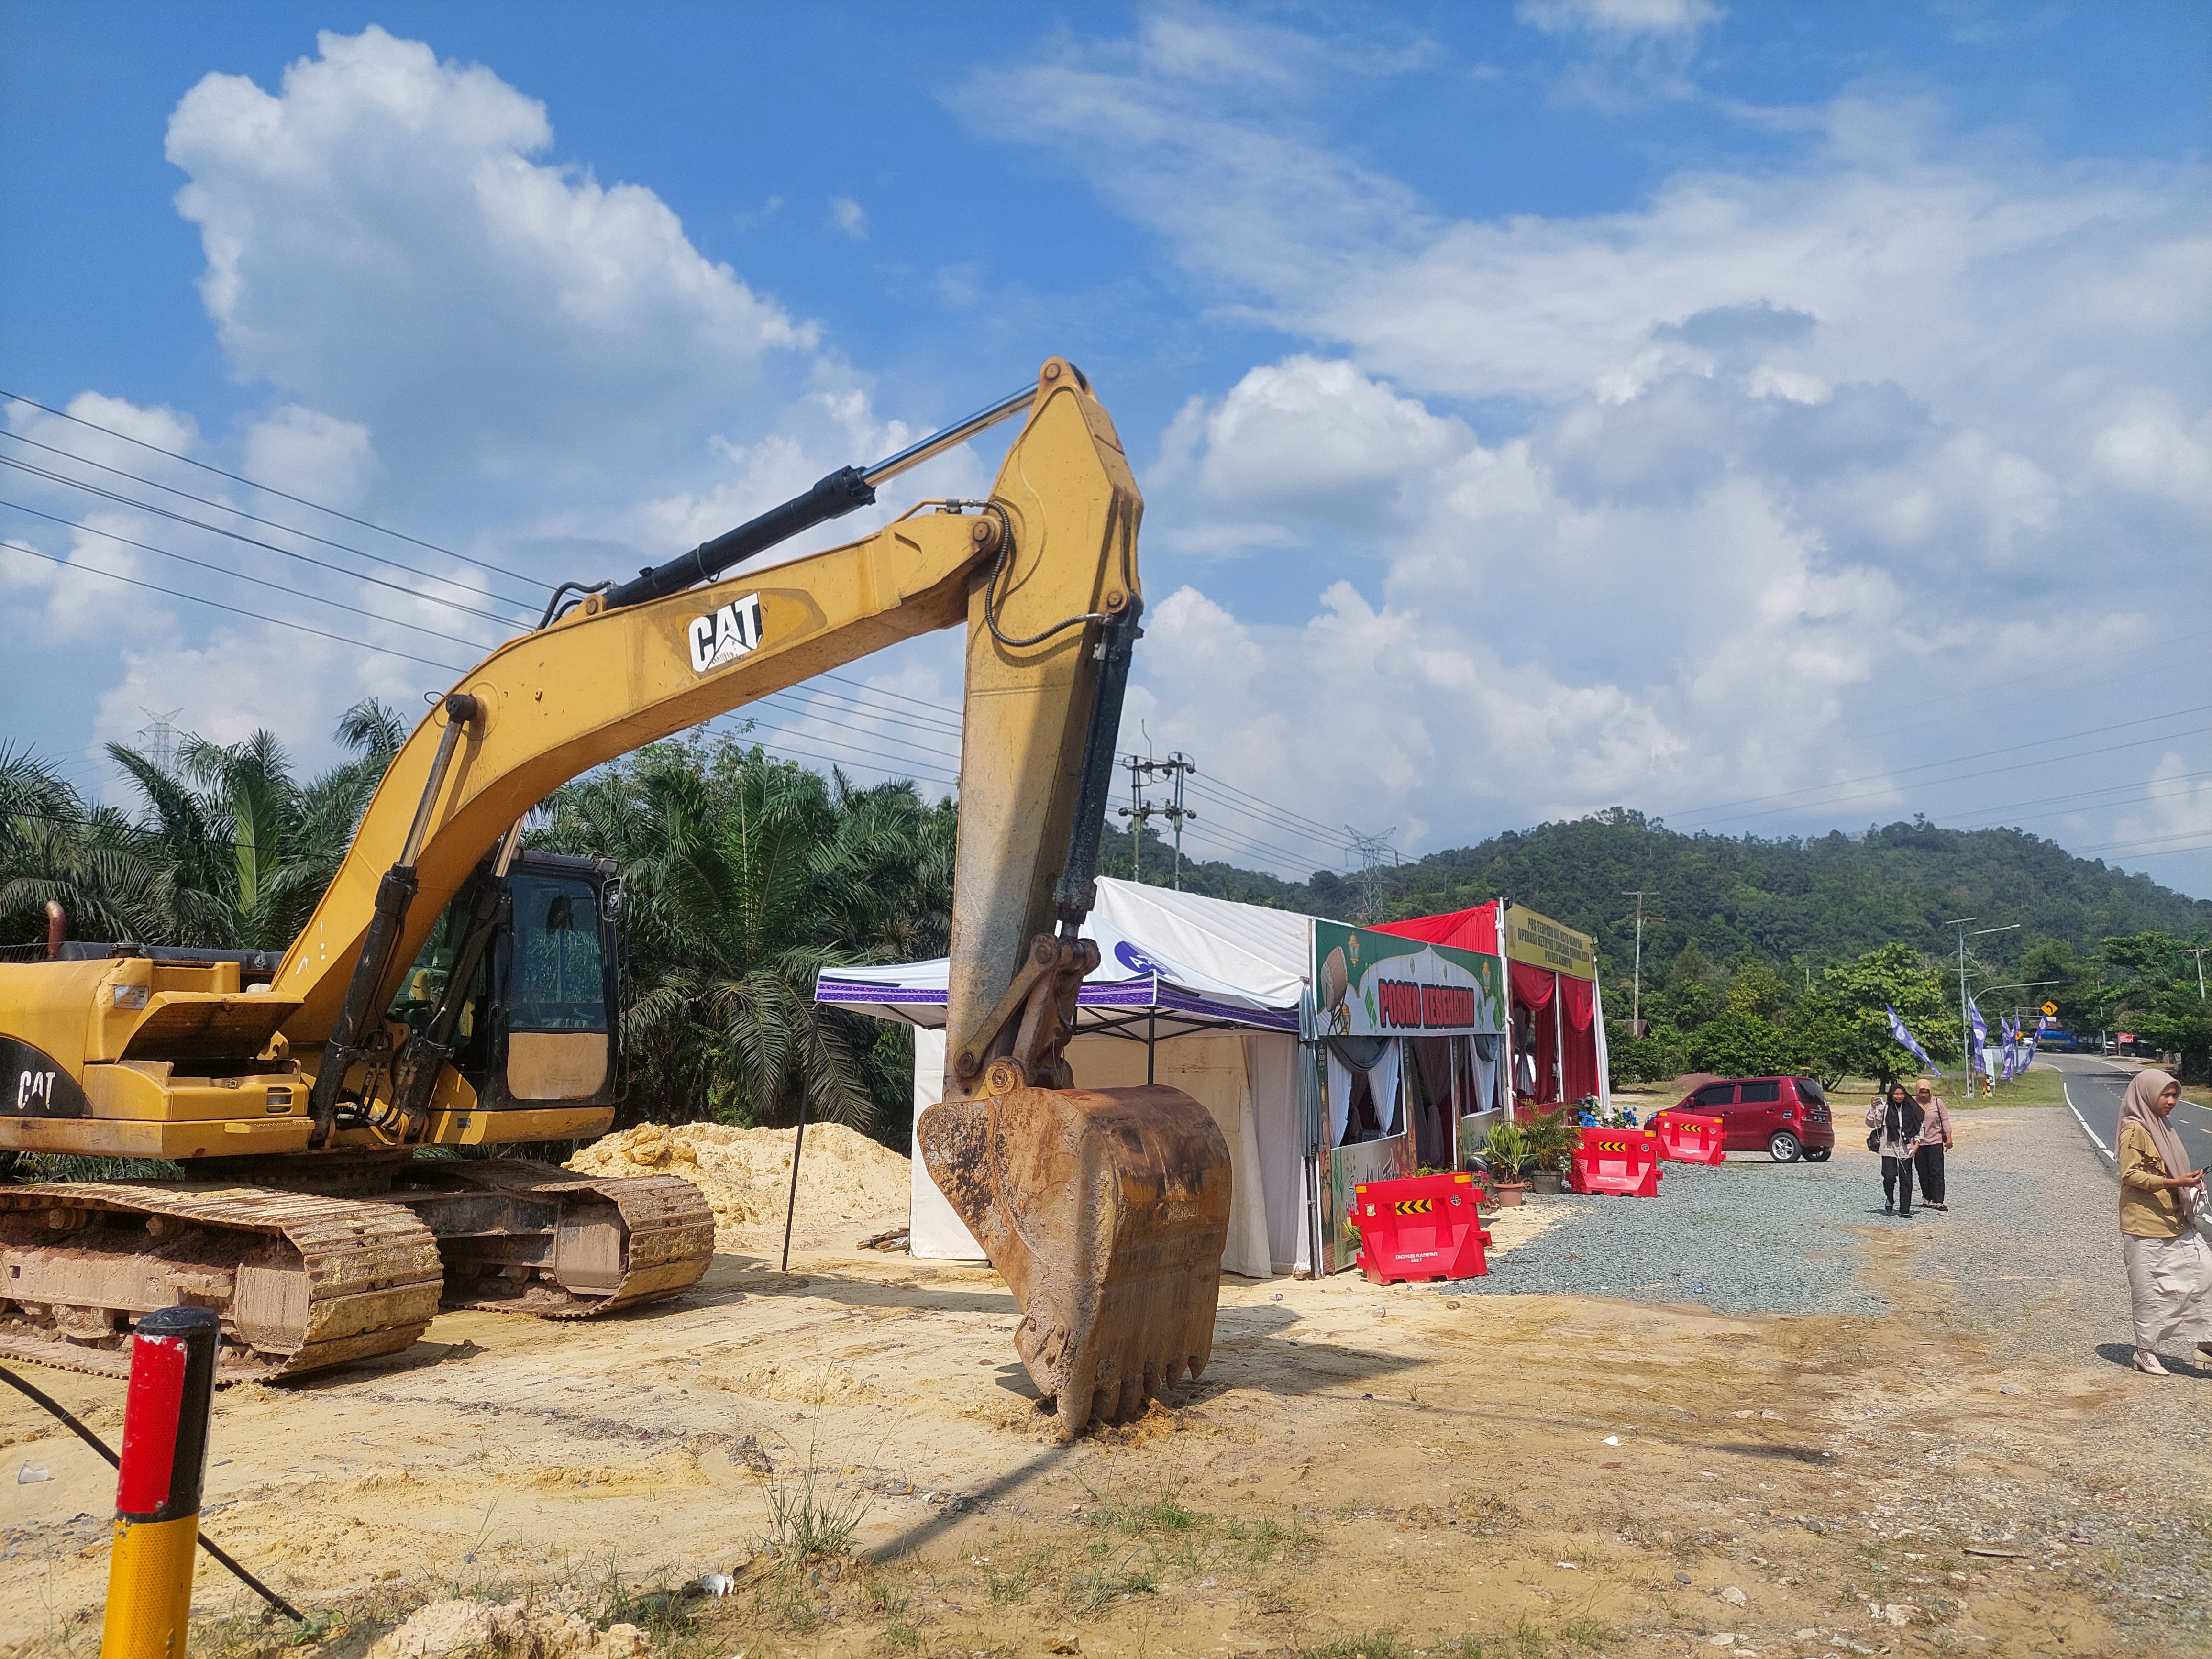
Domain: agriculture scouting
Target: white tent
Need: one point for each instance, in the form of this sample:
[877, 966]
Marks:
[1202, 993]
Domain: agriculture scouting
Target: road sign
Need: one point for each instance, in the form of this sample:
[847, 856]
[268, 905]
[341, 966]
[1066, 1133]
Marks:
[2050, 1008]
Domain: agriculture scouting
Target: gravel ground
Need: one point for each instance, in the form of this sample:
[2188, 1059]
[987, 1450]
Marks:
[1745, 1236]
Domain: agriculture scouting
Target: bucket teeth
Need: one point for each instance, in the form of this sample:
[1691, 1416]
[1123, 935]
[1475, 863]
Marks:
[1106, 1211]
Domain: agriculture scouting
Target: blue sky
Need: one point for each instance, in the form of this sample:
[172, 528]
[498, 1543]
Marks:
[1773, 418]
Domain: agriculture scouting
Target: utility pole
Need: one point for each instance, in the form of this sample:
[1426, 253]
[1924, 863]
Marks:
[2197, 951]
[1143, 771]
[1636, 1006]
[1138, 811]
[1178, 765]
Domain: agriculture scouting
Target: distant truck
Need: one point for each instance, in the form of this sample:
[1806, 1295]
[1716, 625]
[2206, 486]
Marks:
[2064, 1041]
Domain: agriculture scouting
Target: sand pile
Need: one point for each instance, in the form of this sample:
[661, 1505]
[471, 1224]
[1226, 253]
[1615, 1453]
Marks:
[843, 1176]
[513, 1628]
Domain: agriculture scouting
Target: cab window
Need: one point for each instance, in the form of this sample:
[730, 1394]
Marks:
[424, 986]
[559, 981]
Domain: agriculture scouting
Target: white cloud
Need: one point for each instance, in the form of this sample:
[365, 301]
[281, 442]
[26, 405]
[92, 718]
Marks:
[1620, 19]
[850, 216]
[382, 244]
[1662, 505]
[330, 461]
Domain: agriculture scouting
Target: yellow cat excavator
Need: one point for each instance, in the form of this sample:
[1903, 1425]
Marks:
[454, 991]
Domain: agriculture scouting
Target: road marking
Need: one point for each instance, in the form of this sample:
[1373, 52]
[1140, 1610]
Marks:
[2105, 1150]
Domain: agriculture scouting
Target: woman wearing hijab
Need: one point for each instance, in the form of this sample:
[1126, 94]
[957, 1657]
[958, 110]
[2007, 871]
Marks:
[1896, 1124]
[2169, 1266]
[1935, 1141]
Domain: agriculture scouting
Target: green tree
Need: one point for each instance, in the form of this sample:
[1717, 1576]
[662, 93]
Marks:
[2157, 994]
[102, 870]
[1739, 1044]
[1757, 988]
[1692, 992]
[1842, 1025]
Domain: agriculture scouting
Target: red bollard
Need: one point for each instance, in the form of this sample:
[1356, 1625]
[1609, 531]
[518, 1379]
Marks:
[157, 1486]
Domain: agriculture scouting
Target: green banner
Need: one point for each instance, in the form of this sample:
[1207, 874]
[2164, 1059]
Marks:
[1371, 984]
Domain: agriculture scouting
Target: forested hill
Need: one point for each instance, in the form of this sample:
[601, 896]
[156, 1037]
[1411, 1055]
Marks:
[1812, 902]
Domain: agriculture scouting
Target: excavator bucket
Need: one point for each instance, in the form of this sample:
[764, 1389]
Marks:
[1106, 1211]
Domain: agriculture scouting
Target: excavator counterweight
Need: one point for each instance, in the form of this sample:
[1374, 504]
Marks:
[454, 991]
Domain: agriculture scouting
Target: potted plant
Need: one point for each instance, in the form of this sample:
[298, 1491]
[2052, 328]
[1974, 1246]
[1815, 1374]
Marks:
[1552, 1141]
[1506, 1150]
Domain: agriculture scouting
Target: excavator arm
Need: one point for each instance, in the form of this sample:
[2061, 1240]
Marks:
[1106, 1211]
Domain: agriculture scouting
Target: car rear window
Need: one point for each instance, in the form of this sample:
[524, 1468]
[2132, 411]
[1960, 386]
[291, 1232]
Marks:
[1759, 1094]
[1810, 1090]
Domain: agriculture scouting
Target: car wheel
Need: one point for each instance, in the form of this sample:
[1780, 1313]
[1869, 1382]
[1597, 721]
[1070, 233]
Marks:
[1818, 1154]
[1783, 1147]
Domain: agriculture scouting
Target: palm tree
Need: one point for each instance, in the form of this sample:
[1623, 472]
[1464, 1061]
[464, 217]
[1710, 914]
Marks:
[743, 876]
[95, 864]
[249, 850]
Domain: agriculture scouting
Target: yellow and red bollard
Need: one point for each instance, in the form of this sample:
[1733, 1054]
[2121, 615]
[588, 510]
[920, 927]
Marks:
[158, 1480]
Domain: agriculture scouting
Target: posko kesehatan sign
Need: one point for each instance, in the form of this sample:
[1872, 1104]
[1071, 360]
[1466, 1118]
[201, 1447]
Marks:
[1371, 984]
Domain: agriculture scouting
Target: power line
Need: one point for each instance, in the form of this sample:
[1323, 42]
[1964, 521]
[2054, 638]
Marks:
[221, 506]
[251, 616]
[862, 710]
[271, 490]
[236, 535]
[258, 582]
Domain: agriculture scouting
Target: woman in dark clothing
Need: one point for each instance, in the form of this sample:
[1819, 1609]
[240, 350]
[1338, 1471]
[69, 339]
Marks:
[1897, 1124]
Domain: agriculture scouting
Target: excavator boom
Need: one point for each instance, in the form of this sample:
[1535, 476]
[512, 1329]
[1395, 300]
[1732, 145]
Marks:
[1106, 1211]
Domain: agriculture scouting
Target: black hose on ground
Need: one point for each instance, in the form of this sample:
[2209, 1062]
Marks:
[39, 1397]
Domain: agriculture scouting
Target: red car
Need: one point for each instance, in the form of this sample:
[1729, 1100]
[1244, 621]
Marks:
[1785, 1117]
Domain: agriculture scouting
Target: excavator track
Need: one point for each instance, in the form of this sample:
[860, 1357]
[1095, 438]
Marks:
[531, 1238]
[302, 1281]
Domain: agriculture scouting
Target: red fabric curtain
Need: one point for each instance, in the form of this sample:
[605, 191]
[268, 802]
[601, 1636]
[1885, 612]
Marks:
[1533, 986]
[1576, 997]
[1580, 1054]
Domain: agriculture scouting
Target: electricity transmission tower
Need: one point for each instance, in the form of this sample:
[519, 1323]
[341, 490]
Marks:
[1377, 860]
[159, 736]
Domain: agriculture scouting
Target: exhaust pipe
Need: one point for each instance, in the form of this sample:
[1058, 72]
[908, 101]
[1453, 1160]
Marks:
[56, 929]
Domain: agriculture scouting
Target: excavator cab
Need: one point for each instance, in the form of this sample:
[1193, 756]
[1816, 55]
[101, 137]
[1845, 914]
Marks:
[536, 1021]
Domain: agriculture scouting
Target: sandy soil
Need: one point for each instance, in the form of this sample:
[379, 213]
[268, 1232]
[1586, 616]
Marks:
[1386, 1470]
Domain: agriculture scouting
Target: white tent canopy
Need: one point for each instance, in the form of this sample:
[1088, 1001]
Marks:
[1215, 985]
[1187, 963]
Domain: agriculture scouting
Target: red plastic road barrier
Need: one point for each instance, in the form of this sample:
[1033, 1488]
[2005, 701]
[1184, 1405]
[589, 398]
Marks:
[1624, 1162]
[1422, 1227]
[1688, 1139]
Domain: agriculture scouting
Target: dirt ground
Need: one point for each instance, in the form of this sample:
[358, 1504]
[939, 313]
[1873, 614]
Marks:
[1359, 1472]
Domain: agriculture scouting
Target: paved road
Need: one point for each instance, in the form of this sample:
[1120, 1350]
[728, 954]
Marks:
[2095, 1086]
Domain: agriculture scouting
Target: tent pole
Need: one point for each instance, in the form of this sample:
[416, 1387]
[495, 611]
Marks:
[1453, 1131]
[791, 1209]
[1152, 1023]
[1558, 1040]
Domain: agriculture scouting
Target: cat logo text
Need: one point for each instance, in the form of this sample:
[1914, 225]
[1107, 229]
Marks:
[732, 632]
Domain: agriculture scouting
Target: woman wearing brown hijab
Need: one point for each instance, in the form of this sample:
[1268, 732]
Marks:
[2169, 1266]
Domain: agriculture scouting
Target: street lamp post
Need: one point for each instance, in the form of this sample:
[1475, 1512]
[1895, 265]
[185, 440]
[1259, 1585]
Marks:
[1965, 1017]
